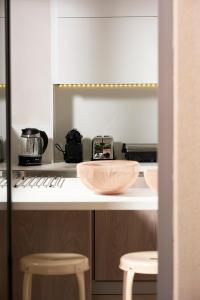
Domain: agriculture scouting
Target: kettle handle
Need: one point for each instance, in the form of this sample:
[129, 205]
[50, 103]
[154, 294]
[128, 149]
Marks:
[45, 140]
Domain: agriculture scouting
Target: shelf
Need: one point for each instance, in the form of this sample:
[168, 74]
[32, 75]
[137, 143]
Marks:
[109, 85]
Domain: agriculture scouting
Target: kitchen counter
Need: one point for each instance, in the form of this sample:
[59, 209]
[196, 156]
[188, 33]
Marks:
[73, 195]
[61, 166]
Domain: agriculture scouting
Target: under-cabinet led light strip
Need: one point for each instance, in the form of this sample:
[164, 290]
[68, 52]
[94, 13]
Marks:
[2, 86]
[110, 85]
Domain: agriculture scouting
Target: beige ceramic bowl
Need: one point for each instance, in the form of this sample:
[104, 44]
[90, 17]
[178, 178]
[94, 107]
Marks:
[108, 177]
[151, 177]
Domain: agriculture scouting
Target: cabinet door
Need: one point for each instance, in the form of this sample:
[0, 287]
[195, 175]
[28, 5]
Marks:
[2, 50]
[50, 231]
[118, 233]
[105, 8]
[105, 50]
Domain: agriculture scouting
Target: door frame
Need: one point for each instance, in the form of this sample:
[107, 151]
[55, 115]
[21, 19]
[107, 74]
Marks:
[166, 133]
[8, 151]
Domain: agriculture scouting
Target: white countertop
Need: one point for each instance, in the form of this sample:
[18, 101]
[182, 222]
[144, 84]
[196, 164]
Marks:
[75, 196]
[61, 166]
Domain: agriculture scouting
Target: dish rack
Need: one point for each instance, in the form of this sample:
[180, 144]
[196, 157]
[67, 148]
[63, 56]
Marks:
[3, 182]
[36, 182]
[40, 181]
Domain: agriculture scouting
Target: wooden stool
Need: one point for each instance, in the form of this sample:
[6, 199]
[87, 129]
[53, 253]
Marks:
[53, 264]
[137, 262]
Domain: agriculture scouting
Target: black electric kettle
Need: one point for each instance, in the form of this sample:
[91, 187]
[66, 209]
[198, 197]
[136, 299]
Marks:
[33, 143]
[73, 152]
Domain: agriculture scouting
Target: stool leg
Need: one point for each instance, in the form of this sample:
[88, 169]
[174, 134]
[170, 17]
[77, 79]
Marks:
[27, 284]
[81, 285]
[127, 285]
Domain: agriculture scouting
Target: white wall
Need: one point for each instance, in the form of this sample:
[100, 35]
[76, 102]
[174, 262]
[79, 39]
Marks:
[2, 9]
[3, 117]
[2, 114]
[2, 44]
[129, 115]
[2, 72]
[32, 94]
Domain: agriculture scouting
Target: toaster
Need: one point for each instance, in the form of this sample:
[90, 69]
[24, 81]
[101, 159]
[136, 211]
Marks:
[102, 148]
[140, 152]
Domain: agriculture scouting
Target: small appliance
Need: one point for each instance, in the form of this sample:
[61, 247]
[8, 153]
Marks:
[73, 152]
[102, 147]
[33, 143]
[140, 152]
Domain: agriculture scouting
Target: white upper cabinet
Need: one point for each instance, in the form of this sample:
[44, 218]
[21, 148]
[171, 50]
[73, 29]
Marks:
[105, 8]
[96, 42]
[2, 50]
[107, 50]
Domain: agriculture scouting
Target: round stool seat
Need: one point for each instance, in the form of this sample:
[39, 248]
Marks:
[140, 262]
[54, 263]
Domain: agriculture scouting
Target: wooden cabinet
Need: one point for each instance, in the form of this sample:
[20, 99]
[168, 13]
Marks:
[3, 255]
[50, 231]
[120, 232]
[119, 297]
[103, 236]
[105, 50]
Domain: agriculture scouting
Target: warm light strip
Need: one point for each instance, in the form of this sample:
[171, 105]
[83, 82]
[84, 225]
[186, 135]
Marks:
[2, 86]
[110, 85]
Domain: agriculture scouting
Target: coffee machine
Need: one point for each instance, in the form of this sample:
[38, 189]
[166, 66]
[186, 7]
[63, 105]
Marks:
[73, 152]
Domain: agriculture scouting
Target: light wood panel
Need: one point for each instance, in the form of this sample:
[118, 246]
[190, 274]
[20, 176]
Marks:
[50, 231]
[3, 255]
[120, 232]
[119, 297]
